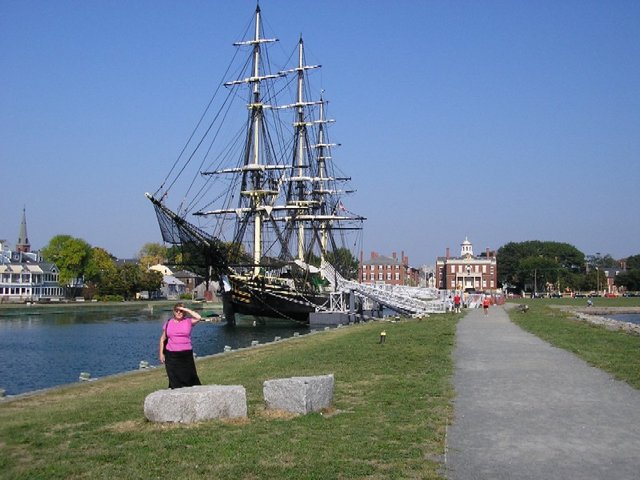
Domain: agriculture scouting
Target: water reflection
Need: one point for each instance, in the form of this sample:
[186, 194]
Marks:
[41, 350]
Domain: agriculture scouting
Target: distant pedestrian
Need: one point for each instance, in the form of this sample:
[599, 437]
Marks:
[485, 305]
[176, 351]
[383, 336]
[456, 303]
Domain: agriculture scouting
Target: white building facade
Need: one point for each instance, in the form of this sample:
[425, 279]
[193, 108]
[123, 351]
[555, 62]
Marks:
[24, 277]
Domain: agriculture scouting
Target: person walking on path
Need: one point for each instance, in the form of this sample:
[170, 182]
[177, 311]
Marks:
[527, 410]
[176, 351]
[485, 304]
[456, 302]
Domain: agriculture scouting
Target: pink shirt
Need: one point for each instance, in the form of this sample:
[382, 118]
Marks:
[179, 334]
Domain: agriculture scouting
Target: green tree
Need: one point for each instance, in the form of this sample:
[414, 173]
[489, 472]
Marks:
[131, 276]
[633, 262]
[594, 280]
[71, 255]
[538, 272]
[150, 280]
[125, 281]
[534, 262]
[630, 280]
[174, 255]
[100, 263]
[210, 261]
[344, 262]
[152, 254]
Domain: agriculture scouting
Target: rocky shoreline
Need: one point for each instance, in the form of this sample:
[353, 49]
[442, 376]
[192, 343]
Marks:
[598, 316]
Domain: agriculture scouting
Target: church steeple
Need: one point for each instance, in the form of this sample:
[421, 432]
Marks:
[23, 245]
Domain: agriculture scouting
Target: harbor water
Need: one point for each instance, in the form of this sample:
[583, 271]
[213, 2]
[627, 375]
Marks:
[45, 349]
[626, 317]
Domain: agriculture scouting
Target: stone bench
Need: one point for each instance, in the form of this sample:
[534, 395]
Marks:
[193, 404]
[299, 395]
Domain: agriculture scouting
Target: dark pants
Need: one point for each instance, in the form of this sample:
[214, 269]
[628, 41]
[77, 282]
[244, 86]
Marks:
[181, 369]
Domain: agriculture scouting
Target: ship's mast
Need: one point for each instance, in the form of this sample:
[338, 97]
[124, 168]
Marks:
[255, 173]
[298, 196]
[256, 113]
[301, 140]
[321, 190]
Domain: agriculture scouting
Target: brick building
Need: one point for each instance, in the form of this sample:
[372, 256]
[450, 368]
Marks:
[391, 271]
[467, 272]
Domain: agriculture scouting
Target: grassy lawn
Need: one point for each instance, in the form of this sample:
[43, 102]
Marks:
[392, 403]
[615, 352]
[581, 302]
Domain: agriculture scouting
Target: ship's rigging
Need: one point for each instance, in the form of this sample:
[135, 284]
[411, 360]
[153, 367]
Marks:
[266, 207]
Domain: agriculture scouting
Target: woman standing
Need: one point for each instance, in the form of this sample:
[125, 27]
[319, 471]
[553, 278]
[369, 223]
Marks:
[177, 354]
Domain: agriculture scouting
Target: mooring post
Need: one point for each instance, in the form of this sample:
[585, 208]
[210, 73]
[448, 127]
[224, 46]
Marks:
[352, 306]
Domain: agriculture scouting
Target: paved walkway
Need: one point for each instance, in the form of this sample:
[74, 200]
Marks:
[527, 410]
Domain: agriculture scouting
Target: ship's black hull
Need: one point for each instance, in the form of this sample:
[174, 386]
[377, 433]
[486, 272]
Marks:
[269, 298]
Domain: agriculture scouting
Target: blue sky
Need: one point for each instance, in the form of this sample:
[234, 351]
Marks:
[494, 120]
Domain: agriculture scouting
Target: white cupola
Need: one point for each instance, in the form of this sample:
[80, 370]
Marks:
[466, 250]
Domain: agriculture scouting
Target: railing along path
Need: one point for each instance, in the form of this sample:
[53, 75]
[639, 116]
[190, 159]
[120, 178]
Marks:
[402, 299]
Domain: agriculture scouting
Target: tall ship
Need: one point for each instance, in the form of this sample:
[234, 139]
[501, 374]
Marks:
[261, 205]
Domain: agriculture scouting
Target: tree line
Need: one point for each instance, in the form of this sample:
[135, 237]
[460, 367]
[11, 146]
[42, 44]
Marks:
[93, 272]
[533, 265]
[541, 266]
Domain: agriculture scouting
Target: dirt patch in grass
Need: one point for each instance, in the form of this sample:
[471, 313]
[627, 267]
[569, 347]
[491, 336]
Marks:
[126, 426]
[274, 414]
